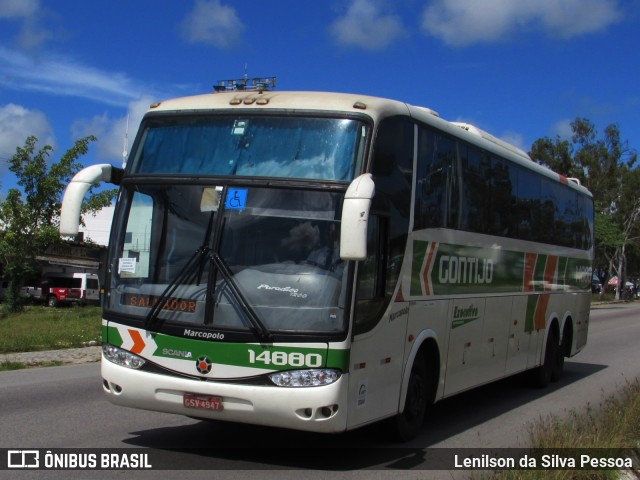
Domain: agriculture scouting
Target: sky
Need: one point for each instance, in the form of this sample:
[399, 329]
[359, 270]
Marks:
[521, 70]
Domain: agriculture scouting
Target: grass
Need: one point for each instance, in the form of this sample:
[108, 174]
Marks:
[41, 328]
[8, 365]
[612, 425]
[615, 424]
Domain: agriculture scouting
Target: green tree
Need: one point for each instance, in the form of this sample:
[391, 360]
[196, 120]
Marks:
[29, 216]
[606, 166]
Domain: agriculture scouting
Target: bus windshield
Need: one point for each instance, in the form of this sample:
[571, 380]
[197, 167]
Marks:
[219, 255]
[263, 146]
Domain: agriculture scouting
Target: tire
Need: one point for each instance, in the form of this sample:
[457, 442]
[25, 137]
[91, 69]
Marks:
[545, 373]
[558, 366]
[52, 301]
[408, 424]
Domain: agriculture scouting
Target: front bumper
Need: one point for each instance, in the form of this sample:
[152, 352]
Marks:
[315, 409]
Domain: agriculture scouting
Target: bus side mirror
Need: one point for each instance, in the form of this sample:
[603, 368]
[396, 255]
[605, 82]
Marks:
[355, 218]
[78, 188]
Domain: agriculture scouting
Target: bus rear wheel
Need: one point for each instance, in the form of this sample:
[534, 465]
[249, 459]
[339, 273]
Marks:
[408, 424]
[550, 369]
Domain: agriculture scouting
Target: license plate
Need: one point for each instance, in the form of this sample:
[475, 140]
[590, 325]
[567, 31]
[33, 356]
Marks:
[202, 402]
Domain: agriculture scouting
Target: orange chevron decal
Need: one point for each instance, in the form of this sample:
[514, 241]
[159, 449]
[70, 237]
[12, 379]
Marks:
[426, 273]
[138, 342]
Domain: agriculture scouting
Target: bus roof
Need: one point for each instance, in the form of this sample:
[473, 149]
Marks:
[376, 108]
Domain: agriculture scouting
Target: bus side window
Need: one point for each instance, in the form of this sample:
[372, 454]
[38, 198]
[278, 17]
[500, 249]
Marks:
[475, 213]
[436, 183]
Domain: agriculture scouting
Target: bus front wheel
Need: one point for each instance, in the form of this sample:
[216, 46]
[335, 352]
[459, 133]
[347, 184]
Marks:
[408, 424]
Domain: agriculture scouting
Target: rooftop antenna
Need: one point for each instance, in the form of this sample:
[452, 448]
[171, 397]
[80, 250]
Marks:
[126, 144]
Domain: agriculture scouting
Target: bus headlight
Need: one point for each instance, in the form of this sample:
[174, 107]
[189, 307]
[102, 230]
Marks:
[122, 357]
[305, 378]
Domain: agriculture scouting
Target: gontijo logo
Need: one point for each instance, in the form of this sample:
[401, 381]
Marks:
[455, 269]
[442, 269]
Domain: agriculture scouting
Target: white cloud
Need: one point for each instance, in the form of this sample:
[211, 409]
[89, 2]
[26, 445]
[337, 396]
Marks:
[367, 26]
[36, 25]
[461, 22]
[212, 23]
[111, 131]
[61, 76]
[18, 8]
[16, 124]
[563, 129]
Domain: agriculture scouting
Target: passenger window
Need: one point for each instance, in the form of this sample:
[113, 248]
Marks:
[503, 190]
[527, 206]
[431, 183]
[476, 213]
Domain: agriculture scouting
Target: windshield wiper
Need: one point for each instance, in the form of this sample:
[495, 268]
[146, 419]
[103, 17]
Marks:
[189, 272]
[192, 270]
[258, 325]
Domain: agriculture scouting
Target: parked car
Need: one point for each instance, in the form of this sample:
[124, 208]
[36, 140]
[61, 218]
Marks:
[58, 289]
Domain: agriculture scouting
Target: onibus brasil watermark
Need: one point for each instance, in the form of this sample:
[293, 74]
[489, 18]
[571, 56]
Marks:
[44, 459]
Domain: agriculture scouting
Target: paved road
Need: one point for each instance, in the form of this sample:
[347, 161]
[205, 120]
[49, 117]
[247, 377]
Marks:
[64, 407]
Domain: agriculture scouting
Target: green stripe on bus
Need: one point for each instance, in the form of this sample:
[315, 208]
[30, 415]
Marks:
[465, 270]
[279, 357]
[112, 336]
[529, 324]
[338, 358]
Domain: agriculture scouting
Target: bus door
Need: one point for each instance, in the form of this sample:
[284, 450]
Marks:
[380, 316]
[377, 350]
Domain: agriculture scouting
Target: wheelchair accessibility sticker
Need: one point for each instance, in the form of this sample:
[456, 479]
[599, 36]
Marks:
[236, 199]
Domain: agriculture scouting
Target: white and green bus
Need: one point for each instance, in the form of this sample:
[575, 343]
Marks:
[322, 261]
